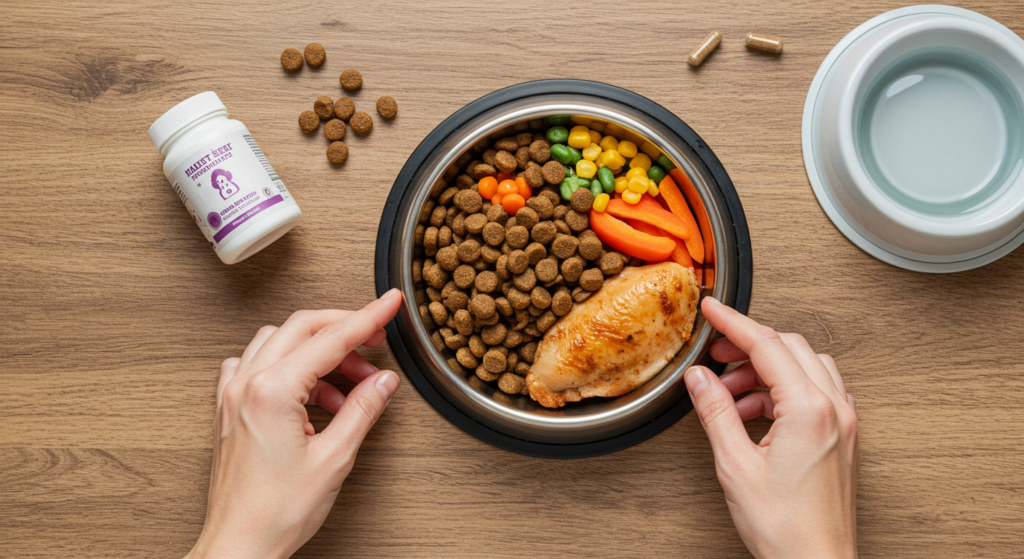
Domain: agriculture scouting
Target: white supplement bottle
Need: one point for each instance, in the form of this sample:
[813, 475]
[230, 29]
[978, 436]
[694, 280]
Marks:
[222, 177]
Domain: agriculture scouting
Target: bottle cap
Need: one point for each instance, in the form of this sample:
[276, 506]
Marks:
[183, 114]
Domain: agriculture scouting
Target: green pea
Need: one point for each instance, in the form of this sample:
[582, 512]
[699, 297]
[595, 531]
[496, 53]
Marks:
[595, 187]
[557, 120]
[565, 189]
[560, 153]
[576, 155]
[569, 171]
[557, 134]
[607, 178]
[665, 162]
[656, 173]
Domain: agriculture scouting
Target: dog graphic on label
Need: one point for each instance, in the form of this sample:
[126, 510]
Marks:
[221, 180]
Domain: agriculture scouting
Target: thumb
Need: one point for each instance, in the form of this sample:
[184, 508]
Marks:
[360, 410]
[718, 414]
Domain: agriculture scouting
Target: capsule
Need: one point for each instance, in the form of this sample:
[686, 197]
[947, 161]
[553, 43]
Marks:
[764, 42]
[709, 44]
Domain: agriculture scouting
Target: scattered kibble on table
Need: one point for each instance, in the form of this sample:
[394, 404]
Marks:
[764, 42]
[315, 54]
[702, 51]
[291, 59]
[351, 80]
[387, 107]
[344, 108]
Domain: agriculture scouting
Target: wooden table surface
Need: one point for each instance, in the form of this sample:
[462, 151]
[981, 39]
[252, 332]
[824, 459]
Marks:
[114, 314]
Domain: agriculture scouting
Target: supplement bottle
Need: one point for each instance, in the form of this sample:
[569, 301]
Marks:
[222, 177]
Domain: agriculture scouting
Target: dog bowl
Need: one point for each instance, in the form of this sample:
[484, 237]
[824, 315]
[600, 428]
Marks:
[596, 425]
[913, 138]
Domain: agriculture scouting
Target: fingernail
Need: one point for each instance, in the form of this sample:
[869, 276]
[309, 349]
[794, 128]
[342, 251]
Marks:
[392, 293]
[387, 384]
[696, 380]
[712, 300]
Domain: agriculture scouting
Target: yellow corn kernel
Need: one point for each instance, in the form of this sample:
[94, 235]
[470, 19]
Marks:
[634, 137]
[597, 125]
[641, 160]
[621, 184]
[579, 137]
[608, 143]
[595, 137]
[652, 189]
[631, 197]
[601, 202]
[636, 172]
[614, 160]
[627, 149]
[586, 169]
[591, 152]
[613, 129]
[599, 161]
[581, 120]
[651, 150]
[638, 185]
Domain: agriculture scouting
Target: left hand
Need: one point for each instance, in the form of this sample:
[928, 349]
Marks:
[274, 478]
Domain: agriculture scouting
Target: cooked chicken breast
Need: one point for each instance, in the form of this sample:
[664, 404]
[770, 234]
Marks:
[618, 338]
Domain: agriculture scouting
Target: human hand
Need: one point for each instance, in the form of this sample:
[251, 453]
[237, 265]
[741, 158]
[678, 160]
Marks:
[274, 479]
[794, 494]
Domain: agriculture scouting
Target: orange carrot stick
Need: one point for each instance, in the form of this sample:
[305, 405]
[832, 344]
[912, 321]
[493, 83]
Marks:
[670, 192]
[679, 254]
[623, 238]
[650, 213]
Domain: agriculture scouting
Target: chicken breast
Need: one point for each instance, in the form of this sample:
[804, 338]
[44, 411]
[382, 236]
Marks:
[618, 338]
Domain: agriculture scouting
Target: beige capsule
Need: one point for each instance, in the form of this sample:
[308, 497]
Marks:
[764, 42]
[709, 44]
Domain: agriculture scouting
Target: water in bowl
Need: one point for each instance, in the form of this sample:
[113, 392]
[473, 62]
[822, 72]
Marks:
[940, 131]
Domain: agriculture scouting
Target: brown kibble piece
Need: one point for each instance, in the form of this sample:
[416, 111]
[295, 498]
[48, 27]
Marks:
[455, 341]
[561, 227]
[564, 246]
[344, 108]
[518, 299]
[466, 358]
[561, 303]
[535, 252]
[494, 233]
[474, 223]
[448, 258]
[438, 341]
[361, 123]
[527, 217]
[523, 158]
[517, 237]
[315, 54]
[497, 214]
[334, 130]
[525, 281]
[386, 107]
[505, 161]
[509, 144]
[337, 153]
[308, 121]
[510, 224]
[544, 232]
[511, 383]
[534, 177]
[469, 251]
[323, 107]
[501, 267]
[482, 170]
[464, 323]
[477, 346]
[486, 282]
[518, 261]
[581, 200]
[540, 297]
[592, 279]
[494, 335]
[435, 276]
[591, 248]
[464, 276]
[464, 181]
[430, 241]
[437, 216]
[489, 254]
[572, 268]
[447, 196]
[482, 305]
[528, 351]
[542, 206]
[470, 202]
[577, 221]
[351, 80]
[456, 300]
[560, 212]
[610, 263]
[523, 369]
[524, 138]
[488, 156]
[547, 270]
[438, 313]
[495, 361]
[552, 197]
[546, 320]
[291, 59]
[540, 152]
[579, 294]
[513, 339]
[554, 172]
[483, 374]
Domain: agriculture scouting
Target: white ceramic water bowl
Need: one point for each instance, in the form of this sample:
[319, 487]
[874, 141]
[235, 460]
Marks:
[914, 138]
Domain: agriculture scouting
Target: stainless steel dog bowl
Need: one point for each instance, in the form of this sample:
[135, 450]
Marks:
[597, 425]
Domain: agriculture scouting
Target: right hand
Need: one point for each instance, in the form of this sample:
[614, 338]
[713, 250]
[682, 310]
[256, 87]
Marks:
[794, 494]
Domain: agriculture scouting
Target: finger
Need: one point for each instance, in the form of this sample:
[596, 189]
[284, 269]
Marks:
[724, 351]
[340, 440]
[773, 360]
[811, 365]
[228, 368]
[742, 379]
[717, 412]
[299, 327]
[833, 370]
[756, 405]
[376, 339]
[356, 368]
[262, 335]
[327, 396]
[323, 352]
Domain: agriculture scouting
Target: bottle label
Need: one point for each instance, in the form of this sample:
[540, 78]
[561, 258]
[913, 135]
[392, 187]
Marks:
[226, 185]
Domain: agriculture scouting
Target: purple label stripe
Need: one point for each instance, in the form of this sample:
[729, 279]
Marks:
[238, 221]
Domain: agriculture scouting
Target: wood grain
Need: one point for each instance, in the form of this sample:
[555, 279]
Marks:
[114, 316]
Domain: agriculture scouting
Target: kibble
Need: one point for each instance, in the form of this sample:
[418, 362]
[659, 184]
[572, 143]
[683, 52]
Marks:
[541, 205]
[337, 153]
[464, 276]
[315, 54]
[470, 202]
[517, 237]
[544, 232]
[291, 59]
[611, 263]
[344, 108]
[495, 361]
[540, 152]
[387, 107]
[334, 130]
[361, 123]
[469, 251]
[309, 121]
[323, 107]
[517, 262]
[564, 246]
[553, 172]
[511, 383]
[591, 279]
[505, 162]
[581, 201]
[493, 233]
[475, 223]
[572, 268]
[577, 221]
[591, 248]
[351, 80]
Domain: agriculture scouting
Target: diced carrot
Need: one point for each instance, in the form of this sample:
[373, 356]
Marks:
[620, 236]
[670, 192]
[512, 203]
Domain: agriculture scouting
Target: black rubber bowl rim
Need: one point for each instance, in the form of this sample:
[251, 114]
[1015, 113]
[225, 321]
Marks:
[743, 276]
